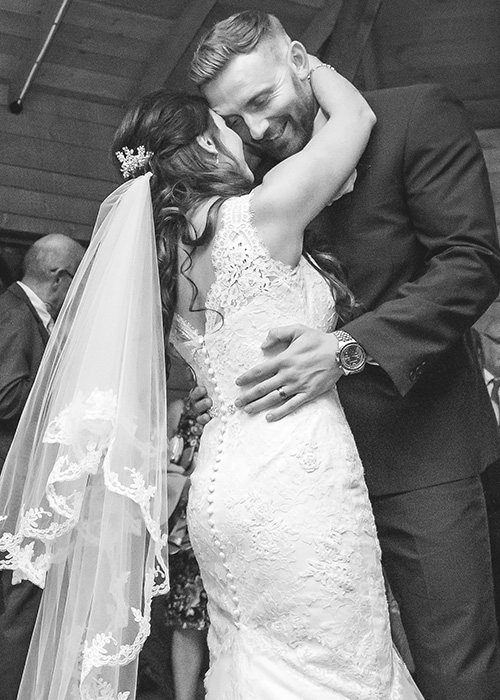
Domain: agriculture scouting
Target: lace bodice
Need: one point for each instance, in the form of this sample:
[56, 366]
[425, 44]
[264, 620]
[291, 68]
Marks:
[279, 515]
[252, 293]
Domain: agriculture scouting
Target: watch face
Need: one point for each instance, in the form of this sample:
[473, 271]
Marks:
[352, 356]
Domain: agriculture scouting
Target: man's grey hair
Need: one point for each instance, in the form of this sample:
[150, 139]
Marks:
[236, 35]
[50, 253]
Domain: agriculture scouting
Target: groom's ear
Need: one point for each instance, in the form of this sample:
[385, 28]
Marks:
[297, 54]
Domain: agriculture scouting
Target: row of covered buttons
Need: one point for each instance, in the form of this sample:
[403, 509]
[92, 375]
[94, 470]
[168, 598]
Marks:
[222, 414]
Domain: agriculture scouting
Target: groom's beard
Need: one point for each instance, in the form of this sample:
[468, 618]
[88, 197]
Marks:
[289, 132]
[286, 135]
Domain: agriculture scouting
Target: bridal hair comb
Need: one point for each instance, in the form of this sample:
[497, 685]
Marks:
[130, 162]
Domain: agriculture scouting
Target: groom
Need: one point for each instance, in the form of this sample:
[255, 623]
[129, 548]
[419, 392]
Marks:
[418, 240]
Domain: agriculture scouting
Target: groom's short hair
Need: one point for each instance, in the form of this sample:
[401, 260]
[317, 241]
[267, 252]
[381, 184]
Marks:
[238, 34]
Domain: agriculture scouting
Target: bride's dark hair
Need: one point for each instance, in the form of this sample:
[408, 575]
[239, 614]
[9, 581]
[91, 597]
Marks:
[184, 175]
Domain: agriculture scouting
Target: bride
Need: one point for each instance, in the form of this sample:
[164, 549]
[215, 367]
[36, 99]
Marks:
[279, 514]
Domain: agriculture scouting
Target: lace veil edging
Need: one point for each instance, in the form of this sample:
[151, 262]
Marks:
[83, 491]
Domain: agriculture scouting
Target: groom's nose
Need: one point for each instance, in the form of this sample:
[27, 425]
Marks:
[257, 126]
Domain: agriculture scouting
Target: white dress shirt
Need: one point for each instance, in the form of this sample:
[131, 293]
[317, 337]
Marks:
[488, 378]
[39, 306]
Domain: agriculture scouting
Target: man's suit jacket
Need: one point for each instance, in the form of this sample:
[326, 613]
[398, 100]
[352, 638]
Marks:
[23, 338]
[417, 238]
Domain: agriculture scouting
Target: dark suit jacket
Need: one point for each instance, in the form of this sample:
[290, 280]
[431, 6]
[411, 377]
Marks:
[23, 338]
[418, 240]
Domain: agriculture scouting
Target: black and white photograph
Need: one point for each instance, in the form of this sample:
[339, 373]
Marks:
[249, 350]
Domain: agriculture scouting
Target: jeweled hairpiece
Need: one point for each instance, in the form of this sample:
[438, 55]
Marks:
[130, 162]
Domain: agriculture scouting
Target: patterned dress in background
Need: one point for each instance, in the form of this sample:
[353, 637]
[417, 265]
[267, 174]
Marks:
[185, 606]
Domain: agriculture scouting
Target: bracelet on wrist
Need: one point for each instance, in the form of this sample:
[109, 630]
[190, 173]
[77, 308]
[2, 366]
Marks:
[321, 65]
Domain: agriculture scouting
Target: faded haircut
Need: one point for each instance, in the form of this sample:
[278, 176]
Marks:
[238, 34]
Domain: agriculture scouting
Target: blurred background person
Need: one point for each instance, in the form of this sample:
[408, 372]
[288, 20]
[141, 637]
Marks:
[174, 658]
[28, 309]
[489, 355]
[6, 276]
[185, 605]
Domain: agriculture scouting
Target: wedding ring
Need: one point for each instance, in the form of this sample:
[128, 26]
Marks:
[282, 392]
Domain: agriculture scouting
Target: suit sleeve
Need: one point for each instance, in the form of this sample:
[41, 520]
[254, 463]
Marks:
[450, 211]
[16, 372]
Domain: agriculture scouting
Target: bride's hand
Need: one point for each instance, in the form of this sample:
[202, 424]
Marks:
[321, 116]
[200, 404]
[314, 61]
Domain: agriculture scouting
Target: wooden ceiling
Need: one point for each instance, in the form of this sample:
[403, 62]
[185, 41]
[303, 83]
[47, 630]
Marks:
[55, 165]
[107, 51]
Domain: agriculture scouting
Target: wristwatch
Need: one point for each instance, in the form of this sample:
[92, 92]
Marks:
[351, 356]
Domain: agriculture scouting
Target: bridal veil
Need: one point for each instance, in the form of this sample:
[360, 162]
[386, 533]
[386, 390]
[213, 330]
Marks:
[83, 493]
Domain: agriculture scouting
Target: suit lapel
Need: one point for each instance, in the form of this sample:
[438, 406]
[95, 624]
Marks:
[18, 292]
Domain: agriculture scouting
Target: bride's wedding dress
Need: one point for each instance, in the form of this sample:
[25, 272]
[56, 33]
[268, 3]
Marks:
[279, 514]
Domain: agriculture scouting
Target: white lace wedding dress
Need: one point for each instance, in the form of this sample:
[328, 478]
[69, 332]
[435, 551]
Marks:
[279, 514]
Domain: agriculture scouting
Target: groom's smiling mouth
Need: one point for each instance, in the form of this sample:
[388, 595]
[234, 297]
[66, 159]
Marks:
[275, 134]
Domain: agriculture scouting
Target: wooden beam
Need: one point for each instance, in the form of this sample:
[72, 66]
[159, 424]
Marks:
[346, 45]
[322, 26]
[50, 19]
[164, 62]
[4, 91]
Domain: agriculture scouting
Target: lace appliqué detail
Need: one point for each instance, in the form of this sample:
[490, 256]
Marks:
[243, 266]
[281, 507]
[101, 690]
[96, 653]
[82, 437]
[86, 427]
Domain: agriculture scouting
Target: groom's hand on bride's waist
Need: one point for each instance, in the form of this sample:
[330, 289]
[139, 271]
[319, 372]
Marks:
[302, 367]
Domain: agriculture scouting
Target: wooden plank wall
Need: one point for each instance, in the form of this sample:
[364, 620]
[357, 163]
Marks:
[54, 165]
[55, 169]
[453, 42]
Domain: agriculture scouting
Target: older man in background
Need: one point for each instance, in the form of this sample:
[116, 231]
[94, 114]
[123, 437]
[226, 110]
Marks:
[28, 309]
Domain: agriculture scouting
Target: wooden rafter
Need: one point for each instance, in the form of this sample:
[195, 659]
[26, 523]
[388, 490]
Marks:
[166, 60]
[322, 26]
[346, 45]
[50, 19]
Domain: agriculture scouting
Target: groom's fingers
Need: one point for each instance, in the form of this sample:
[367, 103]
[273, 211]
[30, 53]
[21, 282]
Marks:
[259, 373]
[287, 407]
[282, 335]
[262, 396]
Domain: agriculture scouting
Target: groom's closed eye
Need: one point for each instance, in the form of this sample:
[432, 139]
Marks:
[259, 101]
[233, 121]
